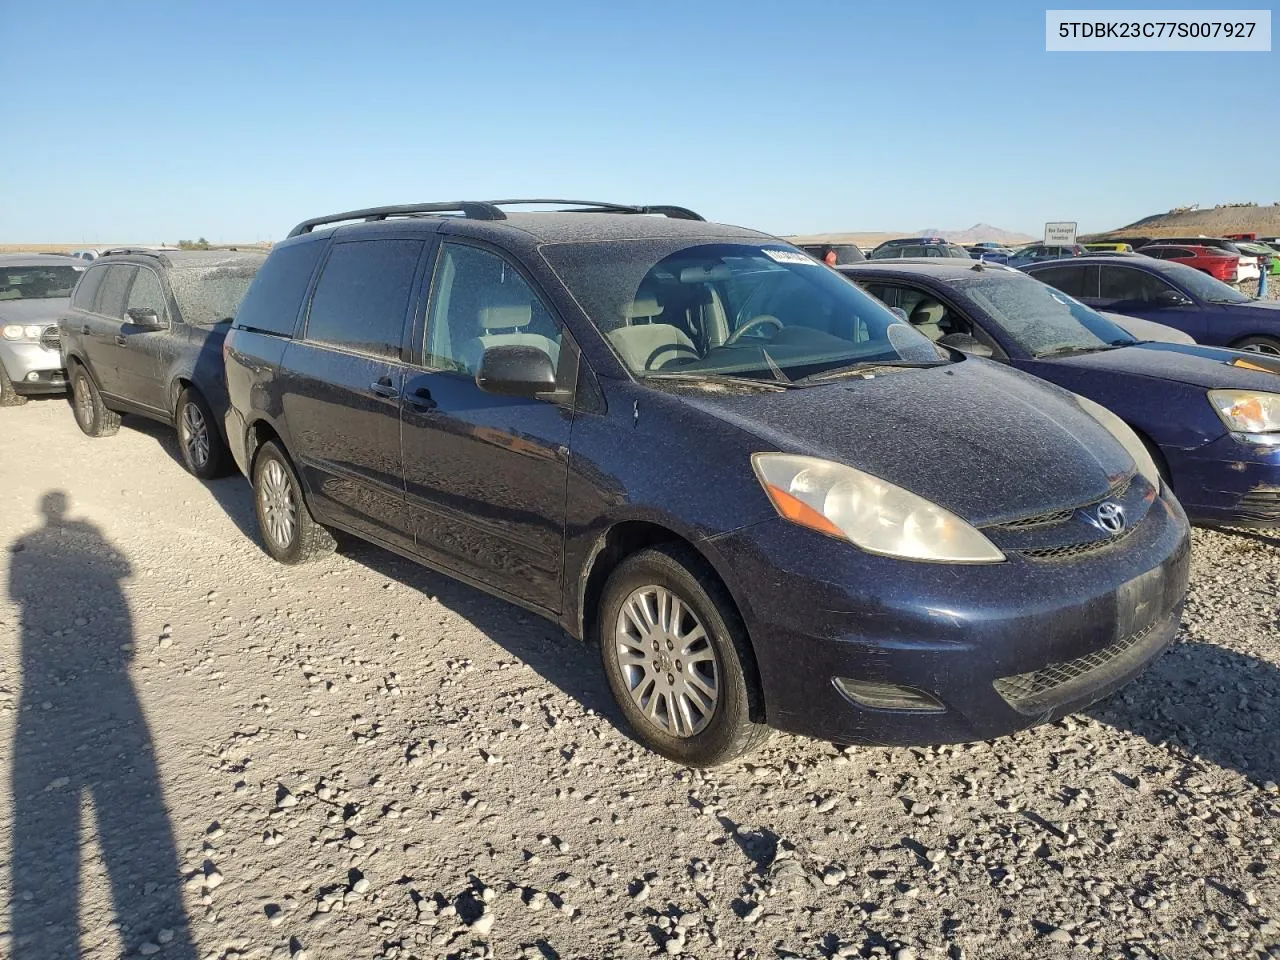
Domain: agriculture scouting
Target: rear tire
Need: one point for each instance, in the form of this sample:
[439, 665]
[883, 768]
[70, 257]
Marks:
[8, 396]
[1268, 345]
[675, 654]
[203, 452]
[92, 415]
[289, 533]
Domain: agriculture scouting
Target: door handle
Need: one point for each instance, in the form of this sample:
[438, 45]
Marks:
[384, 388]
[121, 341]
[85, 330]
[420, 400]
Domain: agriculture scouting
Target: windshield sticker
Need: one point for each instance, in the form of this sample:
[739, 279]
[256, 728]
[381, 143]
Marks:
[790, 256]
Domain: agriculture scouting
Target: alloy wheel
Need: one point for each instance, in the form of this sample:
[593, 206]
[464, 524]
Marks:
[279, 507]
[1261, 348]
[84, 401]
[667, 661]
[195, 435]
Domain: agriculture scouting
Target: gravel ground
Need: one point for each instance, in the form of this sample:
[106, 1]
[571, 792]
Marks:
[361, 759]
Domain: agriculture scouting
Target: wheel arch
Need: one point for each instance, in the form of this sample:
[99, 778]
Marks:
[623, 539]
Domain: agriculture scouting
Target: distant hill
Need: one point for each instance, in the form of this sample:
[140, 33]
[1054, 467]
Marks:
[979, 231]
[1208, 222]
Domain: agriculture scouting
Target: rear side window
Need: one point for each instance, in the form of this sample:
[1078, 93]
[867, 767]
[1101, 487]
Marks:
[87, 288]
[1080, 282]
[363, 294]
[273, 300]
[111, 295]
[1125, 283]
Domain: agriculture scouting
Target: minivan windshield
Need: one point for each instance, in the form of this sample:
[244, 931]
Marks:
[763, 312]
[1040, 319]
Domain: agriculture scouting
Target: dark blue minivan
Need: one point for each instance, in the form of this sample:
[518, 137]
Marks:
[770, 501]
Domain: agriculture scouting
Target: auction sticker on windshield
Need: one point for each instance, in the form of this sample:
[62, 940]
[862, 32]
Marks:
[790, 256]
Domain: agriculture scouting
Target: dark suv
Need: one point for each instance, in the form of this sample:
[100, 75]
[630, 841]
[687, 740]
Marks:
[772, 502]
[143, 334]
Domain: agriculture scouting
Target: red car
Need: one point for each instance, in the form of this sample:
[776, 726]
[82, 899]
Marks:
[1213, 261]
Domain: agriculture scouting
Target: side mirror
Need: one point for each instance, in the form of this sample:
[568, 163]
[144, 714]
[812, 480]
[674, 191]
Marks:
[966, 344]
[1172, 298]
[900, 314]
[145, 318]
[516, 371]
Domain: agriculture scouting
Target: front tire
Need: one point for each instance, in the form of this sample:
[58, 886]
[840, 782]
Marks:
[675, 653]
[203, 452]
[92, 415]
[289, 533]
[1268, 345]
[8, 396]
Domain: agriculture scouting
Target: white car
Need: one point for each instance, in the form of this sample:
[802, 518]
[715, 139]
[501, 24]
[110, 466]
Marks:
[1247, 269]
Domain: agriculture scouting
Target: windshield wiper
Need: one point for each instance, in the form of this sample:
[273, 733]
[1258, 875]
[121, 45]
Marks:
[1225, 300]
[693, 376]
[1063, 351]
[865, 366]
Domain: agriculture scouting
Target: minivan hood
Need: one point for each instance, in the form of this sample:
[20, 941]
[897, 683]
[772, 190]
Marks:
[33, 311]
[1213, 368]
[987, 442]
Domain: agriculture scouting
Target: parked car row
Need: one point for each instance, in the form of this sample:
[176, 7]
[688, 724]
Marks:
[897, 502]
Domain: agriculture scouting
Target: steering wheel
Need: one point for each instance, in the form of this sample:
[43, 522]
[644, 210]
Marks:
[753, 323]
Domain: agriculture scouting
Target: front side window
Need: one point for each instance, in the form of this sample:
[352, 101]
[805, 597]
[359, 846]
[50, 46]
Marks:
[146, 293]
[1072, 280]
[668, 307]
[479, 301]
[114, 289]
[1040, 319]
[1126, 283]
[363, 294]
[37, 283]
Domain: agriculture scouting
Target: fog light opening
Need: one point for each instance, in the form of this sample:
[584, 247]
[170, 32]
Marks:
[886, 696]
[33, 376]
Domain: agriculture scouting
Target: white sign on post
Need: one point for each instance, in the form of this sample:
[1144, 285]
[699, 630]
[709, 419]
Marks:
[1060, 234]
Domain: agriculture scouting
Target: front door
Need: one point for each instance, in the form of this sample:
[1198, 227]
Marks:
[343, 383]
[485, 475]
[141, 363]
[101, 328]
[1137, 293]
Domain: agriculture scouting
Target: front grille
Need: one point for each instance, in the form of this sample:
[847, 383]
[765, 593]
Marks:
[1117, 492]
[50, 339]
[1071, 550]
[1039, 690]
[1260, 504]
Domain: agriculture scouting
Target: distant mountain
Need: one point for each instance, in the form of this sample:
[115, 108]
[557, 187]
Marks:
[978, 232]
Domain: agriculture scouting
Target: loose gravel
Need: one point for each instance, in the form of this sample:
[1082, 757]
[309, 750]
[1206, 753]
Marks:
[362, 759]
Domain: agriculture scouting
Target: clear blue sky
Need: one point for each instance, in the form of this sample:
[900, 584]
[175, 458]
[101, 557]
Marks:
[150, 121]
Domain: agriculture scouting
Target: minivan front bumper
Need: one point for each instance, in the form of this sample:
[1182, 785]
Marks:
[985, 649]
[33, 367]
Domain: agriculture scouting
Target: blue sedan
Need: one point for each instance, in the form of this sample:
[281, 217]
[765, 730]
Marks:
[1210, 417]
[1170, 293]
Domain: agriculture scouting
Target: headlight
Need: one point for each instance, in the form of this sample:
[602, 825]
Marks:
[1128, 439]
[869, 512]
[16, 331]
[1247, 411]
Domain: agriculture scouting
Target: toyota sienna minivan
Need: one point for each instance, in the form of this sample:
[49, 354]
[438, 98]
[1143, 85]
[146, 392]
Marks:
[769, 501]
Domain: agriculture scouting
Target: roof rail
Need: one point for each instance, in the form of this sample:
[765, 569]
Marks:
[471, 209]
[597, 206]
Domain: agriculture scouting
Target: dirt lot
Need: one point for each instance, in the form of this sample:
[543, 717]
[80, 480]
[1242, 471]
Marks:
[361, 759]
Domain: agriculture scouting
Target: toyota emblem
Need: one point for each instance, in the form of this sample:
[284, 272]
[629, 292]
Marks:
[1111, 517]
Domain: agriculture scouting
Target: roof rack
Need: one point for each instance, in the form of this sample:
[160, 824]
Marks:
[486, 210]
[598, 206]
[471, 209]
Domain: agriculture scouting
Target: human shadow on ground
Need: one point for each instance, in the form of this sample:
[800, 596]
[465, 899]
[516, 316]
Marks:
[1211, 701]
[81, 732]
